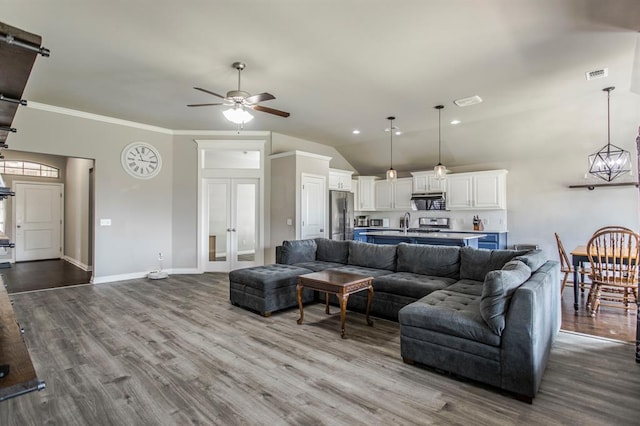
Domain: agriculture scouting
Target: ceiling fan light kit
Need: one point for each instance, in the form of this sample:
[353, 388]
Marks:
[610, 161]
[239, 100]
[440, 170]
[392, 174]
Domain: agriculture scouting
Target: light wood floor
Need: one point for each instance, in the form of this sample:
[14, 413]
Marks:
[176, 352]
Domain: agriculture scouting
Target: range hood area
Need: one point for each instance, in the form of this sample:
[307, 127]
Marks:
[428, 201]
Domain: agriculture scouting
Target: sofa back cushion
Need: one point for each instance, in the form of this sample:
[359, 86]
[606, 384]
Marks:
[332, 250]
[476, 263]
[425, 259]
[497, 290]
[297, 251]
[533, 259]
[378, 256]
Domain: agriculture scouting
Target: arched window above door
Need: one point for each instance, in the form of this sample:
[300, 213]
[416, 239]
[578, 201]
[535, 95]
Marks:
[28, 168]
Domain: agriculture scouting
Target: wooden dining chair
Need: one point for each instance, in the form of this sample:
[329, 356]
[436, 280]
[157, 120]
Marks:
[566, 267]
[614, 255]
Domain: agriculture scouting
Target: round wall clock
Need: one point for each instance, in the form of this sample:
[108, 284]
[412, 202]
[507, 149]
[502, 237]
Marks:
[141, 160]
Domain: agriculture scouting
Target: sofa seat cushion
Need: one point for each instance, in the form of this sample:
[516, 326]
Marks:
[360, 270]
[411, 285]
[368, 255]
[336, 251]
[471, 287]
[268, 277]
[451, 313]
[318, 265]
[425, 259]
[297, 251]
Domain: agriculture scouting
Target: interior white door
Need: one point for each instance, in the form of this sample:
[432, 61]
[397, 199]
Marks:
[313, 209]
[233, 224]
[38, 223]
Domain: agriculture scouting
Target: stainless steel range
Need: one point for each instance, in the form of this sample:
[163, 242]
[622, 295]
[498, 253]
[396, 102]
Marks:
[432, 224]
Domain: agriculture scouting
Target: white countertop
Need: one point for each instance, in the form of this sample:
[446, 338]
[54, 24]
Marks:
[432, 235]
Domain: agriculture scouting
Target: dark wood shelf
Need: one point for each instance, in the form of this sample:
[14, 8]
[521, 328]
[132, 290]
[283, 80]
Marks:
[592, 186]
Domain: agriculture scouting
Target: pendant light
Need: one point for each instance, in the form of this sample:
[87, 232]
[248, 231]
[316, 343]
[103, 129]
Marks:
[440, 170]
[392, 174]
[610, 161]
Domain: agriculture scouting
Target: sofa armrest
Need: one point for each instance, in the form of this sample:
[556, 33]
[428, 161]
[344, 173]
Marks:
[532, 323]
[278, 254]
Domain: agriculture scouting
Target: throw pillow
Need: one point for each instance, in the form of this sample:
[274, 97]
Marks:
[476, 263]
[533, 259]
[298, 251]
[497, 290]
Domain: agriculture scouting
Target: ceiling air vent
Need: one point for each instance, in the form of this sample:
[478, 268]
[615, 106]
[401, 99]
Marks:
[471, 100]
[596, 74]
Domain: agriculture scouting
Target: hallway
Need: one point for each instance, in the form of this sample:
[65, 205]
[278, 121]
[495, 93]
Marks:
[42, 274]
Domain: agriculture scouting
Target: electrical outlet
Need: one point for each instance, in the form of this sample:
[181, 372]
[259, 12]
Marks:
[105, 222]
[485, 221]
[290, 222]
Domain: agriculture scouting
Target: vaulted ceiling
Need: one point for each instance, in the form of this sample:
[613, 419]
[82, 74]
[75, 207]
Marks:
[335, 65]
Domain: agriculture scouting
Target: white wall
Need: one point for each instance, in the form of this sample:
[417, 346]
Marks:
[140, 210]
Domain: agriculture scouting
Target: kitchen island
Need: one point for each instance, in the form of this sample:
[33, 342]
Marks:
[434, 238]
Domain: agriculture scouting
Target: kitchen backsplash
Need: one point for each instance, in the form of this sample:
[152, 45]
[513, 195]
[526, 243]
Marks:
[493, 220]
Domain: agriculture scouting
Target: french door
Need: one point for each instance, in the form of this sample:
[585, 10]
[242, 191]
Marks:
[233, 223]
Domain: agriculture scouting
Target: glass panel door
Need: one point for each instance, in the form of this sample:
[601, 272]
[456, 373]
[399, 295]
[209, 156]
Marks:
[233, 224]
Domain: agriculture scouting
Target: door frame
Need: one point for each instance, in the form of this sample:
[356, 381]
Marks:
[15, 204]
[236, 143]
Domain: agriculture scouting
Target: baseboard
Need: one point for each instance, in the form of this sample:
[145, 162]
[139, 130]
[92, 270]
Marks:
[76, 262]
[139, 275]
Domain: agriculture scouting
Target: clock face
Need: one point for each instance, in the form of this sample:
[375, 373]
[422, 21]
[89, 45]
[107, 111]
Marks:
[141, 160]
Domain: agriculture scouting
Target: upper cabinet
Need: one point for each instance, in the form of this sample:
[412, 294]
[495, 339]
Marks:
[427, 182]
[477, 191]
[393, 195]
[366, 193]
[340, 179]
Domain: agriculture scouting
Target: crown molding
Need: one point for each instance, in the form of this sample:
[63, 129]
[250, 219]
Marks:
[97, 117]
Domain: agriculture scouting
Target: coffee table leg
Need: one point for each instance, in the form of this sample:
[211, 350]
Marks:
[299, 288]
[369, 301]
[343, 313]
[326, 303]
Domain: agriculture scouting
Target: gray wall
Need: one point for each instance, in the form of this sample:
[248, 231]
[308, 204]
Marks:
[140, 210]
[77, 212]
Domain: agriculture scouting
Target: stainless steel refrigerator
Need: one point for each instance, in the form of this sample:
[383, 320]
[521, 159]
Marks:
[341, 215]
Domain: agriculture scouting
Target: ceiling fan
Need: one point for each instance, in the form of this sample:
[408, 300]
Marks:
[238, 100]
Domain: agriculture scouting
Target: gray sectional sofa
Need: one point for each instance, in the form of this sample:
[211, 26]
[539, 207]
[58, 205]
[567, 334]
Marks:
[487, 315]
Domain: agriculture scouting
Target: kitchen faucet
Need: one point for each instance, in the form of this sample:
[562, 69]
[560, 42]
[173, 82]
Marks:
[406, 219]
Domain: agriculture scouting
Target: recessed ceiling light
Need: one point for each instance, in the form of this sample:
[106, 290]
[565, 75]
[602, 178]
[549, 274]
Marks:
[456, 121]
[356, 132]
[398, 132]
[471, 100]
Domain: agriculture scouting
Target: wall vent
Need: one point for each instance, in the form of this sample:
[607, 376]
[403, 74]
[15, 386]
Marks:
[596, 74]
[471, 100]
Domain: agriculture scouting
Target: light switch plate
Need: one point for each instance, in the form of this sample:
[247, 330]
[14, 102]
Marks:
[105, 222]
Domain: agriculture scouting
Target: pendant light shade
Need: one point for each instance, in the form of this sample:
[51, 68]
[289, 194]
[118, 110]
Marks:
[440, 170]
[392, 174]
[610, 161]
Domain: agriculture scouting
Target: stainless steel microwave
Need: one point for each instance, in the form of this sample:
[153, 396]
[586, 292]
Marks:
[429, 201]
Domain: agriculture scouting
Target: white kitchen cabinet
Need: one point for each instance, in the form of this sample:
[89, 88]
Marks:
[427, 181]
[356, 193]
[366, 193]
[393, 195]
[340, 179]
[477, 191]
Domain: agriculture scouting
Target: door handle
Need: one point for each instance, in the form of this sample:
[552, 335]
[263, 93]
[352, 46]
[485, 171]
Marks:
[233, 229]
[228, 229]
[18, 226]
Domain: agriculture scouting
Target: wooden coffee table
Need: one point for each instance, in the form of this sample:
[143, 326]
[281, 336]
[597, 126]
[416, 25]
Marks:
[342, 284]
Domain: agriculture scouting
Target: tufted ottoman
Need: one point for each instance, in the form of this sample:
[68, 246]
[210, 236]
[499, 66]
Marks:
[267, 288]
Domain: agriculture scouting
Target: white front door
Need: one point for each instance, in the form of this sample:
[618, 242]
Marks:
[313, 207]
[38, 221]
[233, 224]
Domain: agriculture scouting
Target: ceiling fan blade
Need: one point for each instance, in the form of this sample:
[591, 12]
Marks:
[209, 92]
[260, 97]
[271, 111]
[199, 105]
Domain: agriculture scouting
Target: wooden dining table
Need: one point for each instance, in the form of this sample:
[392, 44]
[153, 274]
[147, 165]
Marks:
[579, 257]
